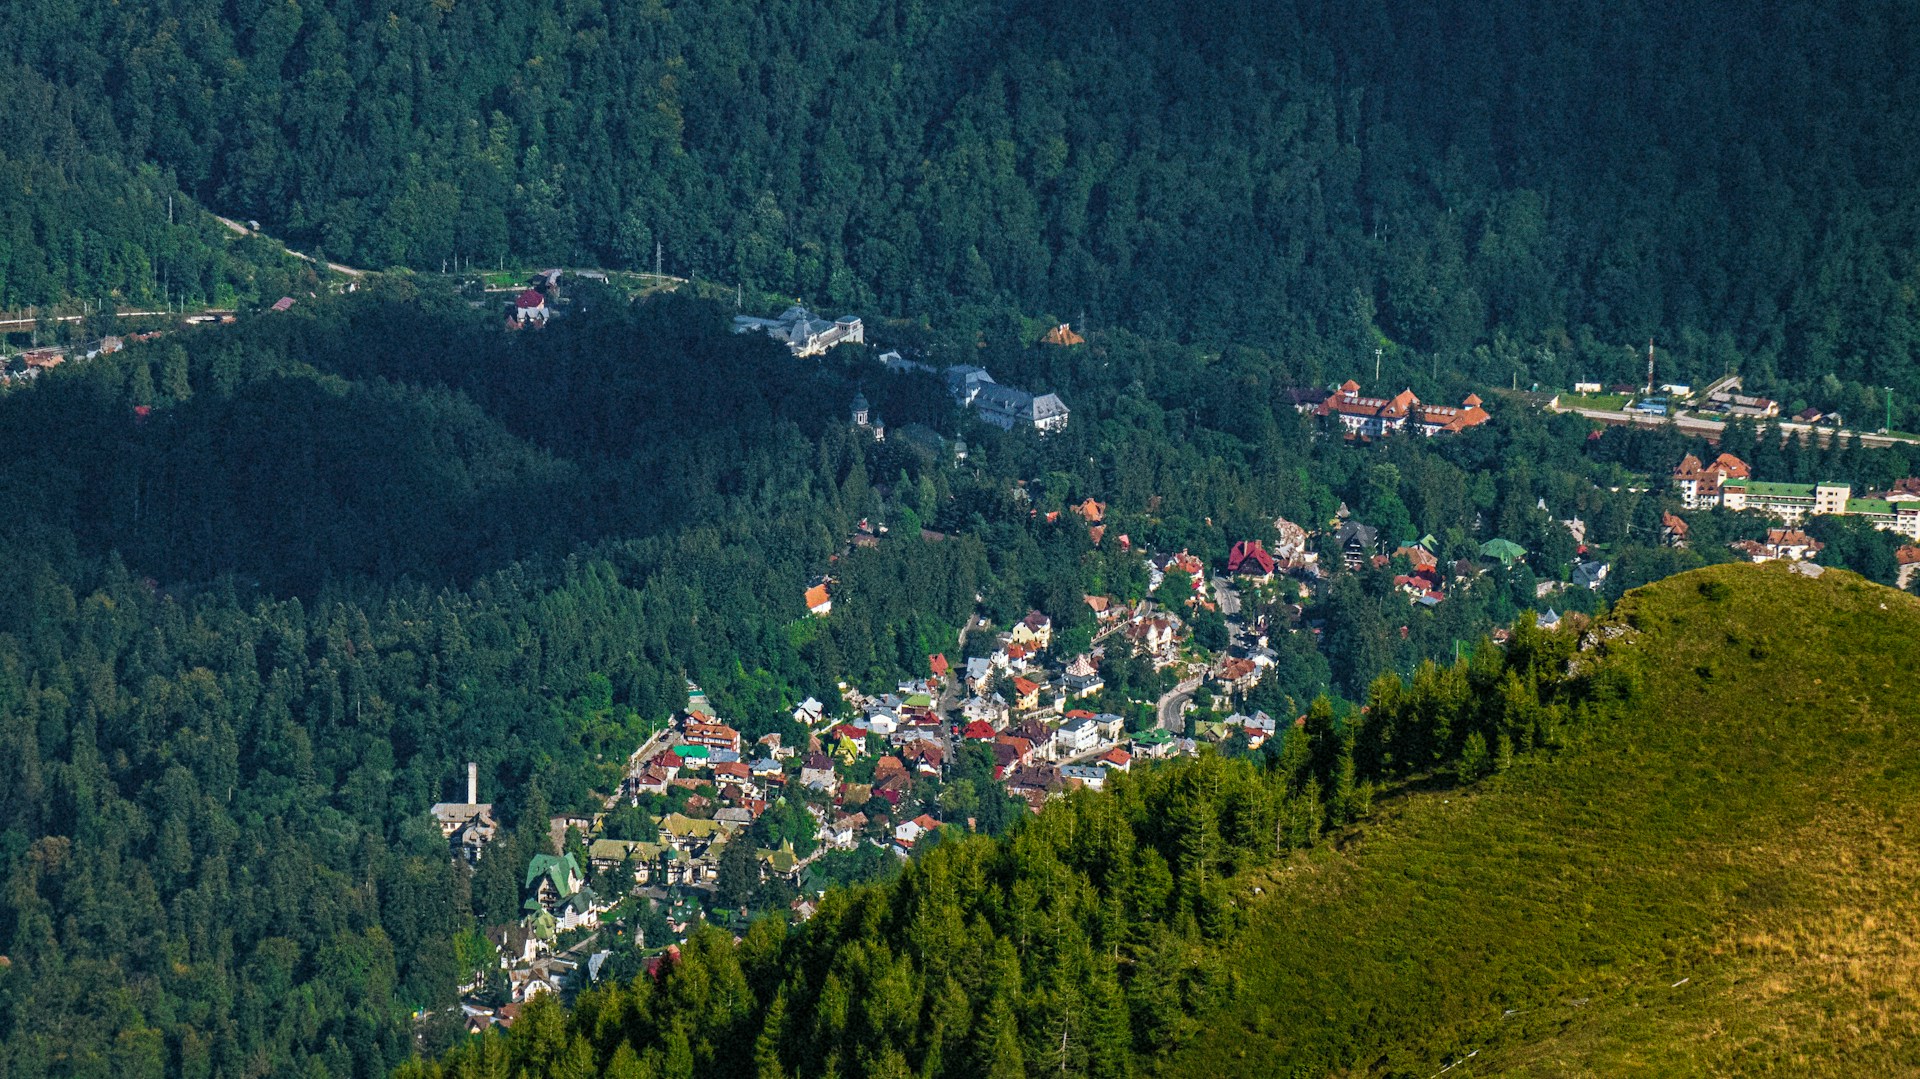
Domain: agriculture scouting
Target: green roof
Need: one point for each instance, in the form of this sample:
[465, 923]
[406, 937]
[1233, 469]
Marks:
[1869, 505]
[1773, 490]
[1503, 549]
[1153, 736]
[561, 869]
[693, 752]
[919, 700]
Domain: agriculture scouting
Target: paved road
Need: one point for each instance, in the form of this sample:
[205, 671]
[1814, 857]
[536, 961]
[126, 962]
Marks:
[1226, 596]
[1170, 711]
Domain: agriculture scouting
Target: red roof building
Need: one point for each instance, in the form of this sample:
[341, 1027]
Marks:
[979, 730]
[1250, 557]
[1403, 411]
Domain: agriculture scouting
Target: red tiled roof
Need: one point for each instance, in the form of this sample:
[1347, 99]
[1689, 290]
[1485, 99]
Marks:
[1247, 551]
[529, 300]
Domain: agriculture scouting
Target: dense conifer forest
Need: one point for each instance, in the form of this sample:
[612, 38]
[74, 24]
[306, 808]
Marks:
[1526, 190]
[268, 586]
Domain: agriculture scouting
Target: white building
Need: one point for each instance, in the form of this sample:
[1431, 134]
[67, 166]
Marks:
[802, 332]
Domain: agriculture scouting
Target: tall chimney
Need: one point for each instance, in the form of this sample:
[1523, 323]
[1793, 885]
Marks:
[473, 782]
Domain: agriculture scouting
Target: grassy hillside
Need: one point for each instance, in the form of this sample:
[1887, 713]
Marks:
[1721, 882]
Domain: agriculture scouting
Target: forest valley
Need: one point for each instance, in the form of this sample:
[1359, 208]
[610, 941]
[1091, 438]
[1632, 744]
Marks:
[272, 584]
[269, 587]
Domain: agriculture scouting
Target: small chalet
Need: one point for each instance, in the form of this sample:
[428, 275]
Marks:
[529, 309]
[1249, 558]
[1673, 530]
[819, 602]
[1026, 694]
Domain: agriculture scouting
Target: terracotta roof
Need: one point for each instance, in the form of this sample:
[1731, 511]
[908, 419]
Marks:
[1249, 555]
[816, 596]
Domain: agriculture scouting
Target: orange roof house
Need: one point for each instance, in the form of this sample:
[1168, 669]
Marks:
[1063, 336]
[818, 601]
[1403, 411]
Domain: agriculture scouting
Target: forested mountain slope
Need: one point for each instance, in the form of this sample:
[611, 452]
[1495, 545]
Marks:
[1544, 178]
[82, 218]
[1699, 871]
[1715, 881]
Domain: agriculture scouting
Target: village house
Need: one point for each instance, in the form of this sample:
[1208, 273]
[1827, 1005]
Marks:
[1026, 694]
[1090, 776]
[1041, 738]
[1152, 743]
[692, 834]
[1236, 675]
[1249, 559]
[1291, 552]
[1790, 544]
[991, 710]
[1104, 609]
[818, 600]
[1155, 636]
[1158, 566]
[1673, 530]
[1908, 559]
[908, 833]
[1010, 752]
[1358, 543]
[1082, 678]
[1035, 629]
[1077, 736]
[1259, 727]
[556, 887]
[843, 832]
[1035, 784]
[1589, 574]
[714, 736]
[1062, 336]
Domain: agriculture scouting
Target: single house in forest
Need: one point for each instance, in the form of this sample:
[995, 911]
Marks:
[819, 602]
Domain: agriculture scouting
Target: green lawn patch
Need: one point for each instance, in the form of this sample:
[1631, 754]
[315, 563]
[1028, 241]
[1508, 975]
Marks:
[1719, 882]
